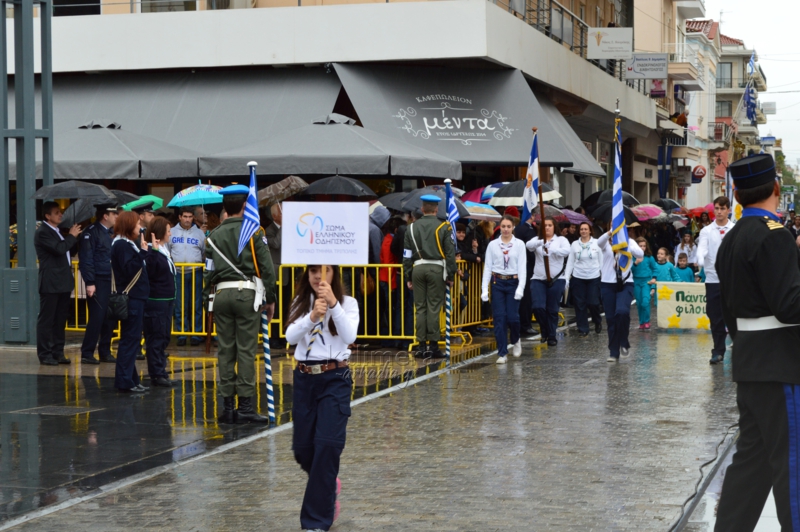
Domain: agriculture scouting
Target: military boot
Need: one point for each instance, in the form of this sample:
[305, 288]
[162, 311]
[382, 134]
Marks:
[228, 416]
[419, 352]
[246, 414]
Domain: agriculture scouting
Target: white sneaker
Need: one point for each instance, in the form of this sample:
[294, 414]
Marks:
[623, 352]
[612, 359]
[516, 349]
[501, 360]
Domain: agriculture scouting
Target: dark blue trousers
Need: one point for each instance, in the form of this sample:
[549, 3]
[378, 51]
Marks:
[157, 329]
[99, 327]
[320, 410]
[544, 301]
[586, 295]
[130, 343]
[714, 311]
[618, 315]
[505, 312]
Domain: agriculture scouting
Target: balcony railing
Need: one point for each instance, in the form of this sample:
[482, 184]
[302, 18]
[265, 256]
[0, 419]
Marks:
[682, 53]
[718, 131]
[687, 139]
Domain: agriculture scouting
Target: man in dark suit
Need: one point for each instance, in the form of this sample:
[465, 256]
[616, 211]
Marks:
[55, 284]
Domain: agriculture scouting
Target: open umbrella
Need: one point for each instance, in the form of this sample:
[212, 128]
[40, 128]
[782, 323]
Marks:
[277, 192]
[124, 197]
[698, 211]
[650, 212]
[602, 213]
[606, 196]
[413, 202]
[96, 194]
[511, 194]
[483, 194]
[667, 204]
[197, 195]
[394, 200]
[479, 211]
[557, 214]
[157, 203]
[79, 211]
[575, 217]
[339, 185]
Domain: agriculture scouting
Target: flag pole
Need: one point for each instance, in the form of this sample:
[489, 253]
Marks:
[265, 336]
[448, 301]
[541, 225]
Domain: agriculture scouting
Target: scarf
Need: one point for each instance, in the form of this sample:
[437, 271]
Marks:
[131, 242]
[505, 249]
[164, 251]
[584, 247]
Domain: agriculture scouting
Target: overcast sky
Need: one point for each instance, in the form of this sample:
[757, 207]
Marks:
[771, 27]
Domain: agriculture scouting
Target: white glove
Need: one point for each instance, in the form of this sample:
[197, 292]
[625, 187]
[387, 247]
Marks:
[484, 297]
[518, 295]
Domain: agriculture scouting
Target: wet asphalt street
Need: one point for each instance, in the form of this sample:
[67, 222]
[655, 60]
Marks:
[558, 439]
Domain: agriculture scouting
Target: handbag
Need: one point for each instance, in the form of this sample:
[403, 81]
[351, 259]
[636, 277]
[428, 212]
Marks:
[118, 301]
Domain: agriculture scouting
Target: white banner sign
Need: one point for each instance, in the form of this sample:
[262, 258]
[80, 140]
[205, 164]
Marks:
[325, 233]
[683, 178]
[646, 66]
[610, 43]
[682, 306]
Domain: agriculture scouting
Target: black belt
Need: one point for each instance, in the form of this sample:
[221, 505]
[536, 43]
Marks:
[316, 369]
[504, 277]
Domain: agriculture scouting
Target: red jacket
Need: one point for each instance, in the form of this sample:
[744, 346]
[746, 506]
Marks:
[387, 257]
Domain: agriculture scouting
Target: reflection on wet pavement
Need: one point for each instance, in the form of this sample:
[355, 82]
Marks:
[65, 431]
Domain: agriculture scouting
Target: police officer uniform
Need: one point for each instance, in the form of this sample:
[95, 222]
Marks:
[757, 264]
[235, 308]
[429, 261]
[95, 267]
[145, 212]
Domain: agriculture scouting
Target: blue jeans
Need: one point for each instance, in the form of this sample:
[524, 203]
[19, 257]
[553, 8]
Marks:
[191, 302]
[618, 315]
[641, 291]
[505, 310]
[586, 295]
[130, 344]
[544, 301]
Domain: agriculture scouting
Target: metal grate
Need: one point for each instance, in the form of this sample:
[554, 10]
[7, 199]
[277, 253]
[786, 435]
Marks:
[57, 410]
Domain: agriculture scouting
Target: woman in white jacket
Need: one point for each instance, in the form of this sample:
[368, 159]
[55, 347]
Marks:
[583, 275]
[505, 266]
[546, 295]
[322, 324]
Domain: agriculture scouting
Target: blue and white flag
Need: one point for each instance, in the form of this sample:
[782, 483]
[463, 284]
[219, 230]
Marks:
[751, 66]
[251, 222]
[619, 231]
[750, 101]
[452, 210]
[530, 196]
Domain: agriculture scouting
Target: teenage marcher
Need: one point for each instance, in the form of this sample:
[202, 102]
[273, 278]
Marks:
[158, 309]
[708, 244]
[322, 323]
[238, 305]
[188, 245]
[644, 271]
[687, 246]
[95, 267]
[616, 289]
[128, 253]
[429, 263]
[546, 293]
[505, 267]
[583, 276]
[56, 282]
[525, 232]
[760, 286]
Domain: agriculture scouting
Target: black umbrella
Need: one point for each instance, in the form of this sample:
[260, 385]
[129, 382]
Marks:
[511, 194]
[667, 204]
[75, 190]
[393, 200]
[606, 196]
[602, 213]
[339, 185]
[124, 197]
[413, 201]
[79, 211]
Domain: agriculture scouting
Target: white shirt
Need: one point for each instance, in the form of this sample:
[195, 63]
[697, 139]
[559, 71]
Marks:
[707, 247]
[494, 262]
[54, 228]
[691, 253]
[558, 249]
[609, 269]
[326, 346]
[585, 260]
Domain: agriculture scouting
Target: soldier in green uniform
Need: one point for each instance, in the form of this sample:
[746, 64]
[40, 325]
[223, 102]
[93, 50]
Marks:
[237, 304]
[429, 263]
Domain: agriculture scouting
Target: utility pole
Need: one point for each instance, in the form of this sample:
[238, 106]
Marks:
[20, 294]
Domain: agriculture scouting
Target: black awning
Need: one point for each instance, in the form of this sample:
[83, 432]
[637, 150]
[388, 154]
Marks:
[583, 161]
[476, 116]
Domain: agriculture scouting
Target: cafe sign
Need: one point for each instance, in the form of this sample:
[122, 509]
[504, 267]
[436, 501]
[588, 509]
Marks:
[453, 118]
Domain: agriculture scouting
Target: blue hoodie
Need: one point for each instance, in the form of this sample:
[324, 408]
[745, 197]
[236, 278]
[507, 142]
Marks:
[645, 270]
[666, 272]
[686, 275]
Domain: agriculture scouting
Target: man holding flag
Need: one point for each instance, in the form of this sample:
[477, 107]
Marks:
[239, 264]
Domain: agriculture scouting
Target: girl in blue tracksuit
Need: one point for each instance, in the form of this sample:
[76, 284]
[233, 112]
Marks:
[644, 271]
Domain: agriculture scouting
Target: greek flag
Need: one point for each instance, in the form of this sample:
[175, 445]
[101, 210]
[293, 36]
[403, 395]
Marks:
[619, 231]
[750, 101]
[452, 210]
[530, 196]
[751, 66]
[251, 221]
